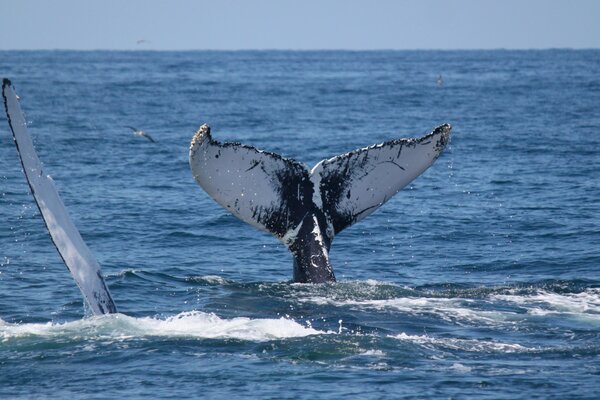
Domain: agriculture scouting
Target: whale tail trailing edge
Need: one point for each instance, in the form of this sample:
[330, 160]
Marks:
[76, 255]
[306, 209]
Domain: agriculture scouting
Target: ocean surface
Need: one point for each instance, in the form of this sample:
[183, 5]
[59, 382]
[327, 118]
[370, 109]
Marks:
[479, 280]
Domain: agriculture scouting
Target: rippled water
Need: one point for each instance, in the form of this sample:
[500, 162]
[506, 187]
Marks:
[482, 279]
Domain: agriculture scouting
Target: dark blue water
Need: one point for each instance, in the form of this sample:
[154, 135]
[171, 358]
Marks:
[481, 279]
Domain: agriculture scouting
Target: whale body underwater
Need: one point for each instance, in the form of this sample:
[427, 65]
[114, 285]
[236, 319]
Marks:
[305, 209]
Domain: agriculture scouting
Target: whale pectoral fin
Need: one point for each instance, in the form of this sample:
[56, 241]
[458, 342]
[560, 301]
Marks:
[262, 189]
[76, 255]
[355, 184]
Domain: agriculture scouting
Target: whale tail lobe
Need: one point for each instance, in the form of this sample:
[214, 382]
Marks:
[351, 186]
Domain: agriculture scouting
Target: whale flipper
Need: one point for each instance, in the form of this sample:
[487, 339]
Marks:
[306, 209]
[353, 185]
[76, 255]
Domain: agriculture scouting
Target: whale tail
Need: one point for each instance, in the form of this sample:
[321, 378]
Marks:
[76, 255]
[306, 209]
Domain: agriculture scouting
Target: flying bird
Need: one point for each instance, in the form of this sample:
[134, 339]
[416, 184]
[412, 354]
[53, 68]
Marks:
[139, 132]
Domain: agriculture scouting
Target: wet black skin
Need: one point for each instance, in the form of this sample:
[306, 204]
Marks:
[311, 254]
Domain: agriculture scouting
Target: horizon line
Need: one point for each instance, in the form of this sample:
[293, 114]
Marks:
[310, 50]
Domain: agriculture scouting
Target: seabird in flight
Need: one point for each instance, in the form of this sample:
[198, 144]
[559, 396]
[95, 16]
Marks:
[139, 132]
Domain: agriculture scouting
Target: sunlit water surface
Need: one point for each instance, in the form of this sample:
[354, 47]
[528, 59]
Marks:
[481, 279]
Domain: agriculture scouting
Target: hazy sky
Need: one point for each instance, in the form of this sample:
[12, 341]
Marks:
[300, 24]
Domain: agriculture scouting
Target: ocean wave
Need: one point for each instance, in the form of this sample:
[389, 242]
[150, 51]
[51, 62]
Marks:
[192, 325]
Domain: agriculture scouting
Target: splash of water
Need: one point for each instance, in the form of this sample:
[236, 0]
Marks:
[194, 324]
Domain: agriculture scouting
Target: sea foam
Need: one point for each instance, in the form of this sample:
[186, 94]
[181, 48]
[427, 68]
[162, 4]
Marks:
[194, 325]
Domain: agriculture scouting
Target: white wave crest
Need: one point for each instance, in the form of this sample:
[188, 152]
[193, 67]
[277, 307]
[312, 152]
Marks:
[194, 324]
[372, 352]
[212, 279]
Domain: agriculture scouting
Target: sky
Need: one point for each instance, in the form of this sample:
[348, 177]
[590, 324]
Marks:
[298, 25]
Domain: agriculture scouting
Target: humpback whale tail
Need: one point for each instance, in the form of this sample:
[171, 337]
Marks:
[76, 255]
[306, 209]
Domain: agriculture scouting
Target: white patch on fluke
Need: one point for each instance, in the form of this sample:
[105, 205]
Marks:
[319, 236]
[290, 236]
[315, 179]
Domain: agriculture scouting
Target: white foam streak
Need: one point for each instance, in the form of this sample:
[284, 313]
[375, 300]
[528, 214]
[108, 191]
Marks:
[542, 302]
[470, 345]
[213, 279]
[584, 306]
[372, 353]
[193, 324]
[449, 309]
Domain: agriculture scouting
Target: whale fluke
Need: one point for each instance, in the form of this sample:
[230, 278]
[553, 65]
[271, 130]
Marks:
[306, 209]
[76, 255]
